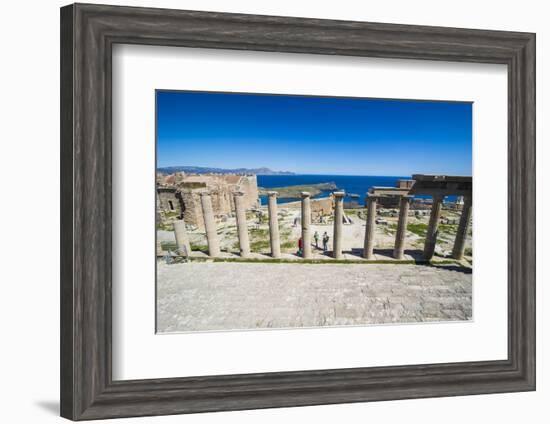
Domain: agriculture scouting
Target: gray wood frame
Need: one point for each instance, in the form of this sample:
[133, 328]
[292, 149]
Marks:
[88, 33]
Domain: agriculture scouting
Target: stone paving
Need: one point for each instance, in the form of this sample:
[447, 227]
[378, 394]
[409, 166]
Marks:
[214, 296]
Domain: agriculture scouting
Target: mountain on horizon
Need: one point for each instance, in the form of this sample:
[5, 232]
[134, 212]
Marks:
[207, 170]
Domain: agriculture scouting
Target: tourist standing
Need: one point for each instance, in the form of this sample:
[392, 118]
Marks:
[325, 241]
[300, 246]
[316, 238]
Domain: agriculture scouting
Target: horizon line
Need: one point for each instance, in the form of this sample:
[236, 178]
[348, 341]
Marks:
[290, 173]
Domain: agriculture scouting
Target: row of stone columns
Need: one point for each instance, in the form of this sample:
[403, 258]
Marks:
[338, 222]
[399, 247]
[431, 233]
[182, 239]
[462, 231]
[184, 247]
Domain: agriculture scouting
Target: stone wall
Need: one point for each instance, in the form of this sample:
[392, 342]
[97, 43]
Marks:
[170, 202]
[181, 193]
[249, 186]
[193, 211]
[405, 184]
[323, 207]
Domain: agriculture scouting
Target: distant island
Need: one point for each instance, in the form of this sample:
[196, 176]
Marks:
[205, 170]
[294, 191]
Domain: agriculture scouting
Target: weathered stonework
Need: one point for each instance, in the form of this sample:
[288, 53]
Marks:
[321, 209]
[388, 197]
[439, 186]
[462, 233]
[242, 227]
[169, 202]
[368, 248]
[179, 194]
[338, 222]
[399, 247]
[306, 225]
[191, 295]
[274, 239]
[173, 203]
[182, 239]
[210, 225]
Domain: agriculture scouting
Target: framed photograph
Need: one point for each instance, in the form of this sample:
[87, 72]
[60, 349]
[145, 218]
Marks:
[263, 211]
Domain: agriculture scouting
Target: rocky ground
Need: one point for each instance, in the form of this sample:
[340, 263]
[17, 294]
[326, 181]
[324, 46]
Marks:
[198, 296]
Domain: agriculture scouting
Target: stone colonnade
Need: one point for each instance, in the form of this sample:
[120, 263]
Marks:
[182, 239]
[183, 244]
[431, 233]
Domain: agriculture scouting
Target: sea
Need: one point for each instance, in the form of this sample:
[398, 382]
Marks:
[355, 186]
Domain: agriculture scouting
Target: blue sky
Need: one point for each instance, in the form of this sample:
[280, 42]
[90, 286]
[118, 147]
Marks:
[314, 135]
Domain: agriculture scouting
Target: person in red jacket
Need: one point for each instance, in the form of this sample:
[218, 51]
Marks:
[300, 246]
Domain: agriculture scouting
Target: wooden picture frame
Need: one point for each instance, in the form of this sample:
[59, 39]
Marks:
[88, 33]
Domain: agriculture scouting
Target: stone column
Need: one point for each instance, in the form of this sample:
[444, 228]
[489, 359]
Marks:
[273, 224]
[431, 235]
[462, 232]
[210, 225]
[159, 248]
[306, 225]
[338, 223]
[158, 214]
[242, 227]
[158, 219]
[182, 240]
[399, 247]
[369, 229]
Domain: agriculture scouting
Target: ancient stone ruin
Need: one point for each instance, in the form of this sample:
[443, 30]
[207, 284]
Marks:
[179, 195]
[389, 196]
[203, 198]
